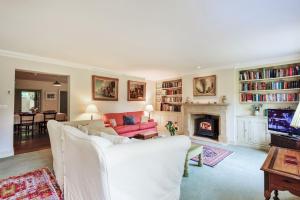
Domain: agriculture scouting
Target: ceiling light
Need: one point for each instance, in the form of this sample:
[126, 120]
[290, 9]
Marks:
[56, 84]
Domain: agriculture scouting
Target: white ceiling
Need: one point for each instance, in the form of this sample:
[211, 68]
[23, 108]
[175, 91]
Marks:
[152, 38]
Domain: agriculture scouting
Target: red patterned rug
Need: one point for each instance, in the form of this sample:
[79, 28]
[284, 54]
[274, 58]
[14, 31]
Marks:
[213, 155]
[36, 185]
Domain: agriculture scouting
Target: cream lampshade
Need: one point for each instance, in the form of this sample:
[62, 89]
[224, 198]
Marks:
[91, 109]
[149, 109]
[296, 119]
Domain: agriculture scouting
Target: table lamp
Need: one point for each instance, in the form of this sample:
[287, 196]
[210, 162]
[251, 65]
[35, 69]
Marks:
[91, 109]
[149, 109]
[296, 119]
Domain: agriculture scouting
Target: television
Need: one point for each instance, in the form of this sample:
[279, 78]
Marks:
[279, 120]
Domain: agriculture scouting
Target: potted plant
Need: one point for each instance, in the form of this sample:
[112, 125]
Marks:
[172, 127]
[256, 109]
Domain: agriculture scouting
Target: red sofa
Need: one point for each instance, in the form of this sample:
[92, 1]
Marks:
[129, 130]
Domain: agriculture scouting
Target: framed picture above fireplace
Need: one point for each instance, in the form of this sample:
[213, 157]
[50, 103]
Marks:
[205, 86]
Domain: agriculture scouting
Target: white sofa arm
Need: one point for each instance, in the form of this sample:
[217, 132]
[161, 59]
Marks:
[147, 170]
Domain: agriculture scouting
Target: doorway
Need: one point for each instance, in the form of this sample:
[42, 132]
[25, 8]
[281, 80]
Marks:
[37, 96]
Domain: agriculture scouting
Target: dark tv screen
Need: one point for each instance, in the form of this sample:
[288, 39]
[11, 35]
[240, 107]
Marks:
[279, 120]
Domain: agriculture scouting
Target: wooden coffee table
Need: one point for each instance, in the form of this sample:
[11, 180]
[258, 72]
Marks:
[146, 135]
[282, 172]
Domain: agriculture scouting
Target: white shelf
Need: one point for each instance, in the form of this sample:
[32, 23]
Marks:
[271, 91]
[271, 79]
[270, 102]
[175, 103]
[171, 95]
[171, 88]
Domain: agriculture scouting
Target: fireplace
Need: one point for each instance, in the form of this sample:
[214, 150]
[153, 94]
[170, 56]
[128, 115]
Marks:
[207, 126]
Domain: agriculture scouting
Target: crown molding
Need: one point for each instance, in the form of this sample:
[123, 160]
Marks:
[53, 61]
[251, 64]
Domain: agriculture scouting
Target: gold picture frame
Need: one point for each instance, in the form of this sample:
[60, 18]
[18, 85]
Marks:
[105, 88]
[205, 86]
[136, 91]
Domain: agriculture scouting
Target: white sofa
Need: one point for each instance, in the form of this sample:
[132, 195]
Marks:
[95, 169]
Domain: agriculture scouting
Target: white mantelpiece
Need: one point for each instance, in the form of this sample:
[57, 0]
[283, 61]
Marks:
[189, 110]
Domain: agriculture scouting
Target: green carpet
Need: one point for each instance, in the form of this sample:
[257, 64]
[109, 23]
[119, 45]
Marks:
[237, 177]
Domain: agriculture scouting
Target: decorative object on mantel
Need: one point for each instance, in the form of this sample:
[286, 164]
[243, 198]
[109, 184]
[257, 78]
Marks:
[188, 100]
[172, 127]
[204, 86]
[223, 99]
[256, 109]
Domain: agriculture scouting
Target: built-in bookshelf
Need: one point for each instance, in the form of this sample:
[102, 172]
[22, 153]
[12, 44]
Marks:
[169, 95]
[276, 84]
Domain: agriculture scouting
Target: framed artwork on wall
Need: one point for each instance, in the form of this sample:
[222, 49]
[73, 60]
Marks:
[205, 86]
[136, 91]
[50, 96]
[104, 88]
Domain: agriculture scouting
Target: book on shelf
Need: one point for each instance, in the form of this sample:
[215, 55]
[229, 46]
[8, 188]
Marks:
[170, 84]
[277, 97]
[172, 92]
[274, 85]
[265, 73]
[169, 107]
[172, 99]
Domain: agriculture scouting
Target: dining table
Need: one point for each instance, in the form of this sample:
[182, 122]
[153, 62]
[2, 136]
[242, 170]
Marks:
[39, 117]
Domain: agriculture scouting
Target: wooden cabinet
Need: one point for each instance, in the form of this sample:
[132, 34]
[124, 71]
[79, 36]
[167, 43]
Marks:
[253, 131]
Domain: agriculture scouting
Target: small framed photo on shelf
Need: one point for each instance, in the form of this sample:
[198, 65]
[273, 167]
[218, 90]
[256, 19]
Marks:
[50, 96]
[205, 86]
[104, 88]
[136, 91]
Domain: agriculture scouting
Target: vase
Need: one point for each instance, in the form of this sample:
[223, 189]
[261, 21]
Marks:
[256, 113]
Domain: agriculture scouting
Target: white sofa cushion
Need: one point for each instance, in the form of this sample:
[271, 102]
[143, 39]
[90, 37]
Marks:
[115, 139]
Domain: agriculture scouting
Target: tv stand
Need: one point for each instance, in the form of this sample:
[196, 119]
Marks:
[285, 141]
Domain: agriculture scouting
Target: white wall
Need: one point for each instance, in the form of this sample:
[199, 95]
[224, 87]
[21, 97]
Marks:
[44, 86]
[80, 94]
[226, 84]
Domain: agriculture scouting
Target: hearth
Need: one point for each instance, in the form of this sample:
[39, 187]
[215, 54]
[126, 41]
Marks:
[207, 126]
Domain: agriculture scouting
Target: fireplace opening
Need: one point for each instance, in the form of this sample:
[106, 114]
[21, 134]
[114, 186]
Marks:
[207, 126]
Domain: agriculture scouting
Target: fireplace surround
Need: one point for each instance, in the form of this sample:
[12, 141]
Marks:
[192, 111]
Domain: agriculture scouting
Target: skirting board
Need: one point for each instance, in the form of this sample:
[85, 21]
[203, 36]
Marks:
[4, 154]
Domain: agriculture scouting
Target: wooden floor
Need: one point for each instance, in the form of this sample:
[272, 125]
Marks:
[29, 144]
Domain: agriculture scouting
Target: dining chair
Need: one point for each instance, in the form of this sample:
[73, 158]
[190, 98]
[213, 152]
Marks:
[48, 115]
[26, 124]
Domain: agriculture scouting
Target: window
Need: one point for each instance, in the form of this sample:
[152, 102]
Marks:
[27, 99]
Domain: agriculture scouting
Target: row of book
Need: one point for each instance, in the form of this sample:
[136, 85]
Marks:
[275, 85]
[169, 107]
[279, 97]
[264, 73]
[170, 84]
[171, 92]
[172, 99]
